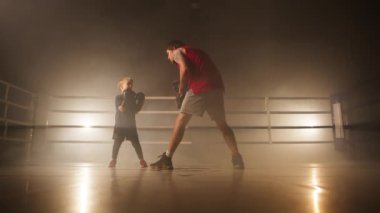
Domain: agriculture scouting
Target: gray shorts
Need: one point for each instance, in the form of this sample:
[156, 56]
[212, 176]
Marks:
[197, 104]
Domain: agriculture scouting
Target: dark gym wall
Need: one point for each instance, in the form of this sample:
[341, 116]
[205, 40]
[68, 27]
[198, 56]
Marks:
[270, 48]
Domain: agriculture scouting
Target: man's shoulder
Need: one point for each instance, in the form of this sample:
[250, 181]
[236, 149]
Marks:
[181, 50]
[187, 50]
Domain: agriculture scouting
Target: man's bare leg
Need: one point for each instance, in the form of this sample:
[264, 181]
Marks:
[228, 135]
[178, 132]
[229, 138]
[165, 161]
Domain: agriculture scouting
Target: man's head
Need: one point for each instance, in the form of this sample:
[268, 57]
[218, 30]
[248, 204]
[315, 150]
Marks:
[173, 45]
[125, 83]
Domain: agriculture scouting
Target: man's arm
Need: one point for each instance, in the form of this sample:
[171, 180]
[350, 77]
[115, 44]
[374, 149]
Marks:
[183, 65]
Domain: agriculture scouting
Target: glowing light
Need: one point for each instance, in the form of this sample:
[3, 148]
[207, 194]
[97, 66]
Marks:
[312, 121]
[87, 126]
[86, 122]
[317, 190]
[83, 192]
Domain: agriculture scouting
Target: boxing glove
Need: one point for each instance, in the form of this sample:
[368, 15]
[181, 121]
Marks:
[140, 100]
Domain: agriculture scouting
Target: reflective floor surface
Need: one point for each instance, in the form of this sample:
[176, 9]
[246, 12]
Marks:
[95, 188]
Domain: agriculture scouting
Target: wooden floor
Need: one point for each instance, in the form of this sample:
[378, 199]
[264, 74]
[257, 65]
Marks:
[348, 187]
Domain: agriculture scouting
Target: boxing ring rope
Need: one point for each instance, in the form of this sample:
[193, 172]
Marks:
[20, 121]
[358, 123]
[269, 113]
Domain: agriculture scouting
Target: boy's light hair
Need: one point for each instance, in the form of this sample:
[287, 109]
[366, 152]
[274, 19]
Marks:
[123, 79]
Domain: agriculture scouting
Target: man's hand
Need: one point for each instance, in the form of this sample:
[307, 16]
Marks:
[179, 99]
[179, 96]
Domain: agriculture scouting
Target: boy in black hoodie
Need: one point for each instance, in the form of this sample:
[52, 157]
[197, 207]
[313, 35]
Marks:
[127, 104]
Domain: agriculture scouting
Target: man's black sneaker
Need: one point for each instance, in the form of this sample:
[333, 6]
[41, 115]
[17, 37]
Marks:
[237, 162]
[164, 163]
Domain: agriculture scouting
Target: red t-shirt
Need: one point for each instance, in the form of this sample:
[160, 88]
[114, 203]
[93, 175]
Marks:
[203, 74]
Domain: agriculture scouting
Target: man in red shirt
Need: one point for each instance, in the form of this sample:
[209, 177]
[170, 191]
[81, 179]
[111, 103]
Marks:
[206, 93]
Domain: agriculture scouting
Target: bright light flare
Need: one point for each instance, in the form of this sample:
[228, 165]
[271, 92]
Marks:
[84, 188]
[317, 190]
[311, 121]
[86, 122]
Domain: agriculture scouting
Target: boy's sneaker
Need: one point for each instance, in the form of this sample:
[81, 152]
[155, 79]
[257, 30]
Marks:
[112, 164]
[237, 162]
[143, 164]
[164, 163]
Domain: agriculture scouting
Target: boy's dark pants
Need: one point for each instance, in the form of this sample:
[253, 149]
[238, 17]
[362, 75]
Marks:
[135, 143]
[121, 134]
